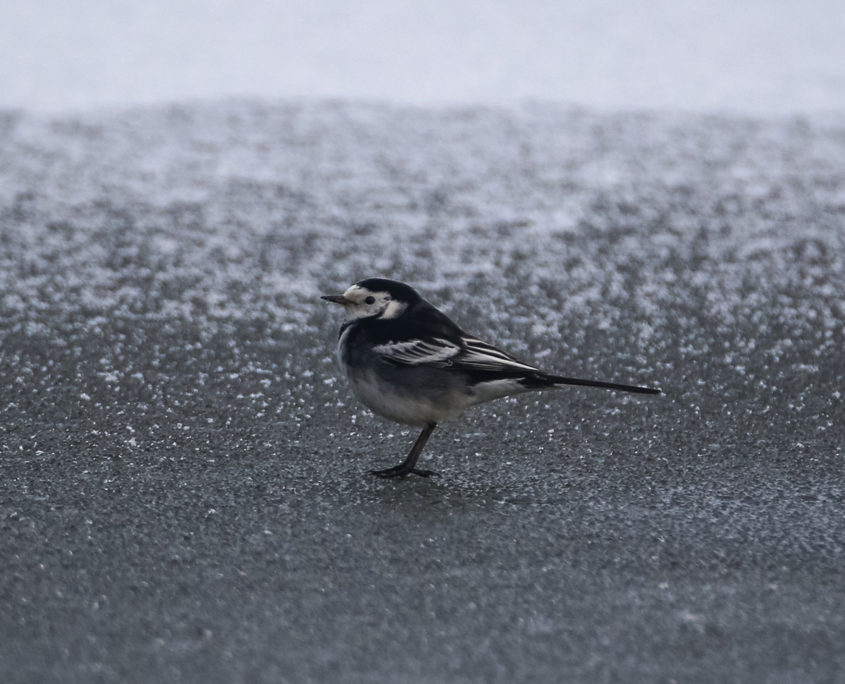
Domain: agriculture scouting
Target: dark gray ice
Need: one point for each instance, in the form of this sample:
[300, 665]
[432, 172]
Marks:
[184, 492]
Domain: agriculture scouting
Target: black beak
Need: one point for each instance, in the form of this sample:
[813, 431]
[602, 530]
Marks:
[337, 299]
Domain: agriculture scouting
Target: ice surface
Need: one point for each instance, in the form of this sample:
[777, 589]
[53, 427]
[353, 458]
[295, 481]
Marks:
[566, 222]
[170, 394]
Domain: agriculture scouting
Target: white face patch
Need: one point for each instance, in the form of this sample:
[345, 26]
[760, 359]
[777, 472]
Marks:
[394, 309]
[364, 303]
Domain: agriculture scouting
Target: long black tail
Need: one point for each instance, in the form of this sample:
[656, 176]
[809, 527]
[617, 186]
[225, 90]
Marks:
[560, 380]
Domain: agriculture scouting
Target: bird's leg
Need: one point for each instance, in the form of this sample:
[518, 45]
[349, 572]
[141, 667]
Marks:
[407, 466]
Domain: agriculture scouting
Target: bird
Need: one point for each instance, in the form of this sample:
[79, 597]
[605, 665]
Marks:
[409, 362]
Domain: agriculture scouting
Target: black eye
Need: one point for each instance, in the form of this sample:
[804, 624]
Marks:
[369, 300]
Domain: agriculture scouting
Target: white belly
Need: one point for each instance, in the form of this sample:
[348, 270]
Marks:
[406, 408]
[414, 408]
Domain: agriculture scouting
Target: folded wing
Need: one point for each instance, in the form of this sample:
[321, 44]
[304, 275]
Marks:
[469, 353]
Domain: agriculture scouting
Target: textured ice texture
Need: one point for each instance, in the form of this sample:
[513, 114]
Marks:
[184, 484]
[647, 245]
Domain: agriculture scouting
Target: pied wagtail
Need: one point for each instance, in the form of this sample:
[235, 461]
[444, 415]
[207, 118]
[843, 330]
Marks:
[410, 363]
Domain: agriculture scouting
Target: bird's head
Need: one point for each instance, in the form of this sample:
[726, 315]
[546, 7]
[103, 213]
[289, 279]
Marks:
[375, 298]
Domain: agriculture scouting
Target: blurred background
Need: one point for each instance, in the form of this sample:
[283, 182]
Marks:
[758, 56]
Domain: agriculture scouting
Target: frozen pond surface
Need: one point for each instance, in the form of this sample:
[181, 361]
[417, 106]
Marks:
[184, 491]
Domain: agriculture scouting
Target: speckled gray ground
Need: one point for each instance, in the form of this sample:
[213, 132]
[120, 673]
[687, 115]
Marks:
[184, 492]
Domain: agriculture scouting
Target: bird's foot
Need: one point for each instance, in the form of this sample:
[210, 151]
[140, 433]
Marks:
[403, 471]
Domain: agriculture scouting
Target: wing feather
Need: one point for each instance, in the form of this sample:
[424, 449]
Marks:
[471, 354]
[482, 356]
[433, 351]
